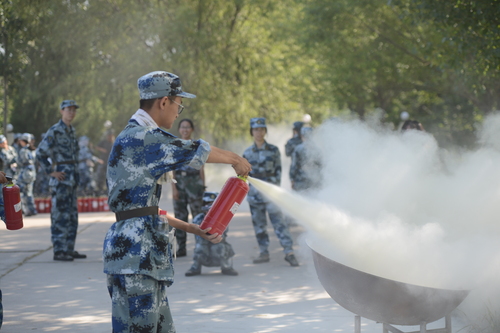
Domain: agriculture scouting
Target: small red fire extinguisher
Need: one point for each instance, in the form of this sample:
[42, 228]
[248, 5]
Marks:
[12, 205]
[225, 206]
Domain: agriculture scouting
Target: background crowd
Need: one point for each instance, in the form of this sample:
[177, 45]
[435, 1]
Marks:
[18, 160]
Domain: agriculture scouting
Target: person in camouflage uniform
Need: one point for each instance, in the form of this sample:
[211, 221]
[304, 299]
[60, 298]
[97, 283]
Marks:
[265, 159]
[27, 175]
[86, 163]
[61, 147]
[8, 158]
[295, 140]
[208, 254]
[187, 190]
[3, 180]
[137, 257]
[305, 169]
[41, 187]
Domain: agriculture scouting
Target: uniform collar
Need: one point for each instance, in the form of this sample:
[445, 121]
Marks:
[66, 127]
[143, 118]
[264, 146]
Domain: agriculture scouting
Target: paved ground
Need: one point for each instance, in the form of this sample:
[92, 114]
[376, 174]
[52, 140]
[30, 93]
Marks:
[41, 295]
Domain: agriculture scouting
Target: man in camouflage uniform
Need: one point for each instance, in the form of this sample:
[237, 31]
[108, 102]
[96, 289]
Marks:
[61, 147]
[208, 254]
[305, 170]
[295, 140]
[189, 186]
[8, 158]
[86, 163]
[27, 175]
[137, 257]
[41, 186]
[266, 165]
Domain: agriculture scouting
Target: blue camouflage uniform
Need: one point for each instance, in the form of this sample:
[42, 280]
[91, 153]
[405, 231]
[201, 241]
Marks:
[137, 256]
[212, 255]
[26, 179]
[86, 163]
[61, 147]
[8, 158]
[266, 165]
[305, 170]
[139, 157]
[190, 188]
[205, 252]
[295, 140]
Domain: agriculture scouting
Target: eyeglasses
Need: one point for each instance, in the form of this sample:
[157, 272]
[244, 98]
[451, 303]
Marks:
[181, 107]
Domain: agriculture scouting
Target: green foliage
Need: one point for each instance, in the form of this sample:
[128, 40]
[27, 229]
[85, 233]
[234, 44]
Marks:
[437, 60]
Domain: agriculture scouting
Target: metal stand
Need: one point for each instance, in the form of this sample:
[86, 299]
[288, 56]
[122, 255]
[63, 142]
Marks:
[386, 328]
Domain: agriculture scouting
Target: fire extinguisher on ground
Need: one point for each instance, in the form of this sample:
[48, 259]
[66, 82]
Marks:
[225, 206]
[12, 205]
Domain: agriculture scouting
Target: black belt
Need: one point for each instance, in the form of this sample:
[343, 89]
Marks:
[138, 212]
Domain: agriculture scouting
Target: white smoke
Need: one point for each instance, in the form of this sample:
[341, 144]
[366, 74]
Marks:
[396, 205]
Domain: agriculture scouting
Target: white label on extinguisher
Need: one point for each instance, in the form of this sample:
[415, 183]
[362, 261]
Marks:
[234, 208]
[18, 206]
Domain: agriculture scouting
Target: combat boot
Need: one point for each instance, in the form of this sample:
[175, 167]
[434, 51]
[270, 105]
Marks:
[194, 270]
[227, 268]
[263, 257]
[290, 257]
[62, 256]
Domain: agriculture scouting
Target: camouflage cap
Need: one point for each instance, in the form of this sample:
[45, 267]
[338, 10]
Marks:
[298, 125]
[160, 84]
[2, 138]
[209, 197]
[68, 102]
[25, 137]
[257, 122]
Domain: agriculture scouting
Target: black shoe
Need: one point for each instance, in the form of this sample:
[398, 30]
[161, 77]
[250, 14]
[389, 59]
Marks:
[229, 271]
[292, 260]
[77, 255]
[181, 253]
[263, 257]
[193, 272]
[61, 256]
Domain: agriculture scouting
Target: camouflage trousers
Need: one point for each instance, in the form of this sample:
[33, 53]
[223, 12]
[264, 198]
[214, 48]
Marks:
[259, 220]
[139, 304]
[27, 198]
[64, 217]
[195, 202]
[213, 255]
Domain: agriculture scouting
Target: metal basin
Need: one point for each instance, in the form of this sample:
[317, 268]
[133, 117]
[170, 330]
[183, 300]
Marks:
[384, 300]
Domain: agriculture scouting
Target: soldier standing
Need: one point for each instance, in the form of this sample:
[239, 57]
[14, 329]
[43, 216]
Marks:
[27, 175]
[295, 140]
[207, 253]
[305, 169]
[61, 146]
[86, 163]
[8, 158]
[137, 257]
[187, 190]
[265, 159]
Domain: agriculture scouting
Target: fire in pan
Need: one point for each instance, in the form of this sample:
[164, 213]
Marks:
[384, 300]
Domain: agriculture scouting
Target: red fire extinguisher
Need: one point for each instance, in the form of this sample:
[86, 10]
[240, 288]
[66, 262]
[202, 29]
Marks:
[12, 205]
[225, 206]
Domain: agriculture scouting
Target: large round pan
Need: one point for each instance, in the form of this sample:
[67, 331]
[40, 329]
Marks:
[384, 300]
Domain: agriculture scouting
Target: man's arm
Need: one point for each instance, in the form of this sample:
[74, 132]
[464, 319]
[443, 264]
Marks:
[239, 164]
